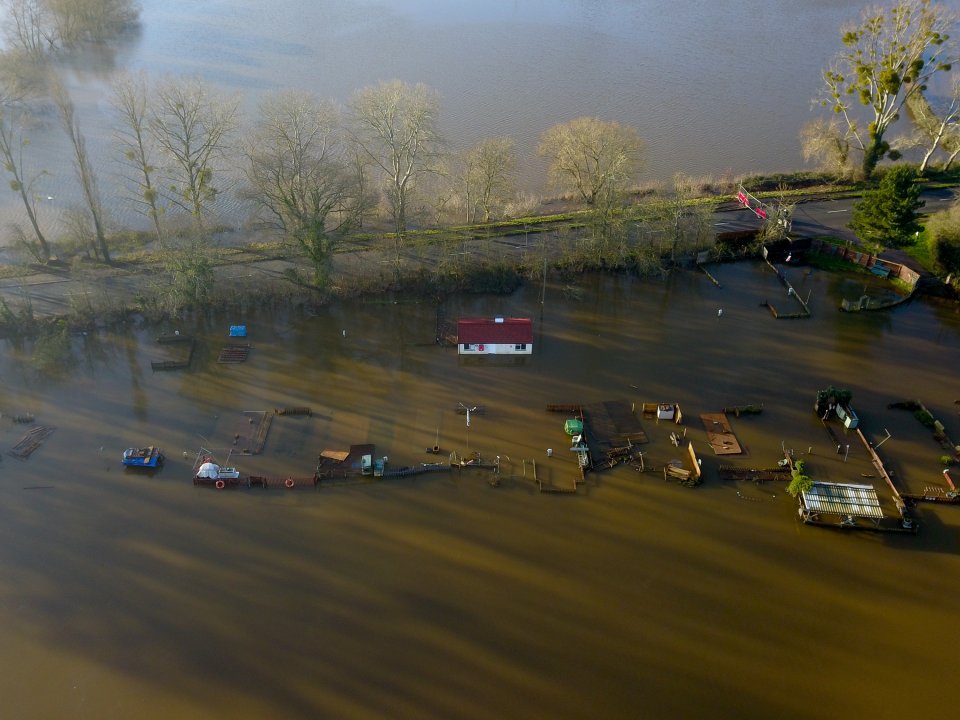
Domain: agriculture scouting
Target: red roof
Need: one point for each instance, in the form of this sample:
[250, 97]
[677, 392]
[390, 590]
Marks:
[505, 331]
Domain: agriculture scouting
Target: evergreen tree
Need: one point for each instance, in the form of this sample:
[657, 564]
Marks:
[888, 215]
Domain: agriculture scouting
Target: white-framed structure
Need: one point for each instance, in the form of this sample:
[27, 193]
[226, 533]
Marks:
[495, 336]
[850, 502]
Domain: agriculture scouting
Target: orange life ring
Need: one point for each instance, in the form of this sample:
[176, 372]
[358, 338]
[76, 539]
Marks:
[288, 483]
[220, 484]
[481, 348]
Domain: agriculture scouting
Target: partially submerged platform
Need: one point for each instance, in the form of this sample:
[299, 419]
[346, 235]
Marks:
[180, 349]
[250, 434]
[720, 435]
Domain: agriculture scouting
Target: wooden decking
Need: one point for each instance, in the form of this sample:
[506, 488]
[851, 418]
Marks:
[234, 353]
[720, 435]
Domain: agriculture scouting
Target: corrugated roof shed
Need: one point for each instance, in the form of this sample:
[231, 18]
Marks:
[495, 331]
[843, 499]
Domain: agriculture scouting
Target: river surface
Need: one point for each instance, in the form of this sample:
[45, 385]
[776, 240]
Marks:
[125, 595]
[717, 89]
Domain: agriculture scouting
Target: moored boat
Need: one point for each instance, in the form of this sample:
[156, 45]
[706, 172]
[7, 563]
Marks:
[209, 470]
[145, 457]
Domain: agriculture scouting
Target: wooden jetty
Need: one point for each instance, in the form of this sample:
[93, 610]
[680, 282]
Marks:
[791, 291]
[233, 353]
[185, 358]
[720, 435]
[30, 442]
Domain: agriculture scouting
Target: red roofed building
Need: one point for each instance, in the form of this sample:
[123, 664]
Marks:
[495, 336]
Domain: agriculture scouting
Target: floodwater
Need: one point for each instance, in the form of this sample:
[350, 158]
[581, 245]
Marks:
[713, 88]
[440, 596]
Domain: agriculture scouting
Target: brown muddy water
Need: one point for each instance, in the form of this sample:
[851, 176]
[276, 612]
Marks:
[133, 596]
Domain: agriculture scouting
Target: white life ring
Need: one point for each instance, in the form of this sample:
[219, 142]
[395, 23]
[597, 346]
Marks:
[220, 484]
[288, 483]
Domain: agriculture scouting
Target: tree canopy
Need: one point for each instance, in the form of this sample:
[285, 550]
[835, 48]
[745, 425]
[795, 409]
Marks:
[890, 55]
[888, 215]
[592, 157]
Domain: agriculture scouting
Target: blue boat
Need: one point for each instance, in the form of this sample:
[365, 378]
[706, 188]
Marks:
[146, 457]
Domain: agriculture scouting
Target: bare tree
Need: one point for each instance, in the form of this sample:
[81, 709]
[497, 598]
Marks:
[299, 175]
[396, 125]
[940, 128]
[78, 21]
[29, 27]
[191, 125]
[594, 158]
[826, 143]
[488, 177]
[38, 27]
[81, 161]
[129, 99]
[889, 56]
[12, 143]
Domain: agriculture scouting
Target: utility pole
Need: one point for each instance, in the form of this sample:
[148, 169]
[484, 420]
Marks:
[543, 292]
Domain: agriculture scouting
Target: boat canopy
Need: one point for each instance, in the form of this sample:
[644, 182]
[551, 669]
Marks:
[209, 470]
[573, 426]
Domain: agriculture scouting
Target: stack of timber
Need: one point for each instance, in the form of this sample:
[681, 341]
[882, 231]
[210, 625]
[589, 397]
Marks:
[677, 473]
[185, 359]
[234, 353]
[293, 411]
[30, 442]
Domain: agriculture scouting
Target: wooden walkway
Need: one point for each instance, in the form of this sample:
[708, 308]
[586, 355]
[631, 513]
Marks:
[720, 435]
[30, 442]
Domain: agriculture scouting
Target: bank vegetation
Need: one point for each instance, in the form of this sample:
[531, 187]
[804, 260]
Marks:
[368, 197]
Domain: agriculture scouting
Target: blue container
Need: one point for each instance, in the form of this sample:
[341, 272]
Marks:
[238, 331]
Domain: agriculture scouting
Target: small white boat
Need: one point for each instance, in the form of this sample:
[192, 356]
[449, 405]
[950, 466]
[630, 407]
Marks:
[211, 471]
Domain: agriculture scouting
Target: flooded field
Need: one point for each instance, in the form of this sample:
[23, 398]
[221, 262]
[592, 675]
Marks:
[439, 596]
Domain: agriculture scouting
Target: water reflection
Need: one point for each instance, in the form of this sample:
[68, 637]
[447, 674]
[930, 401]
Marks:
[440, 596]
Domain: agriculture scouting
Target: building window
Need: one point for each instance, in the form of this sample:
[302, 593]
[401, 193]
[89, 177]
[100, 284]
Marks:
[467, 347]
[521, 346]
